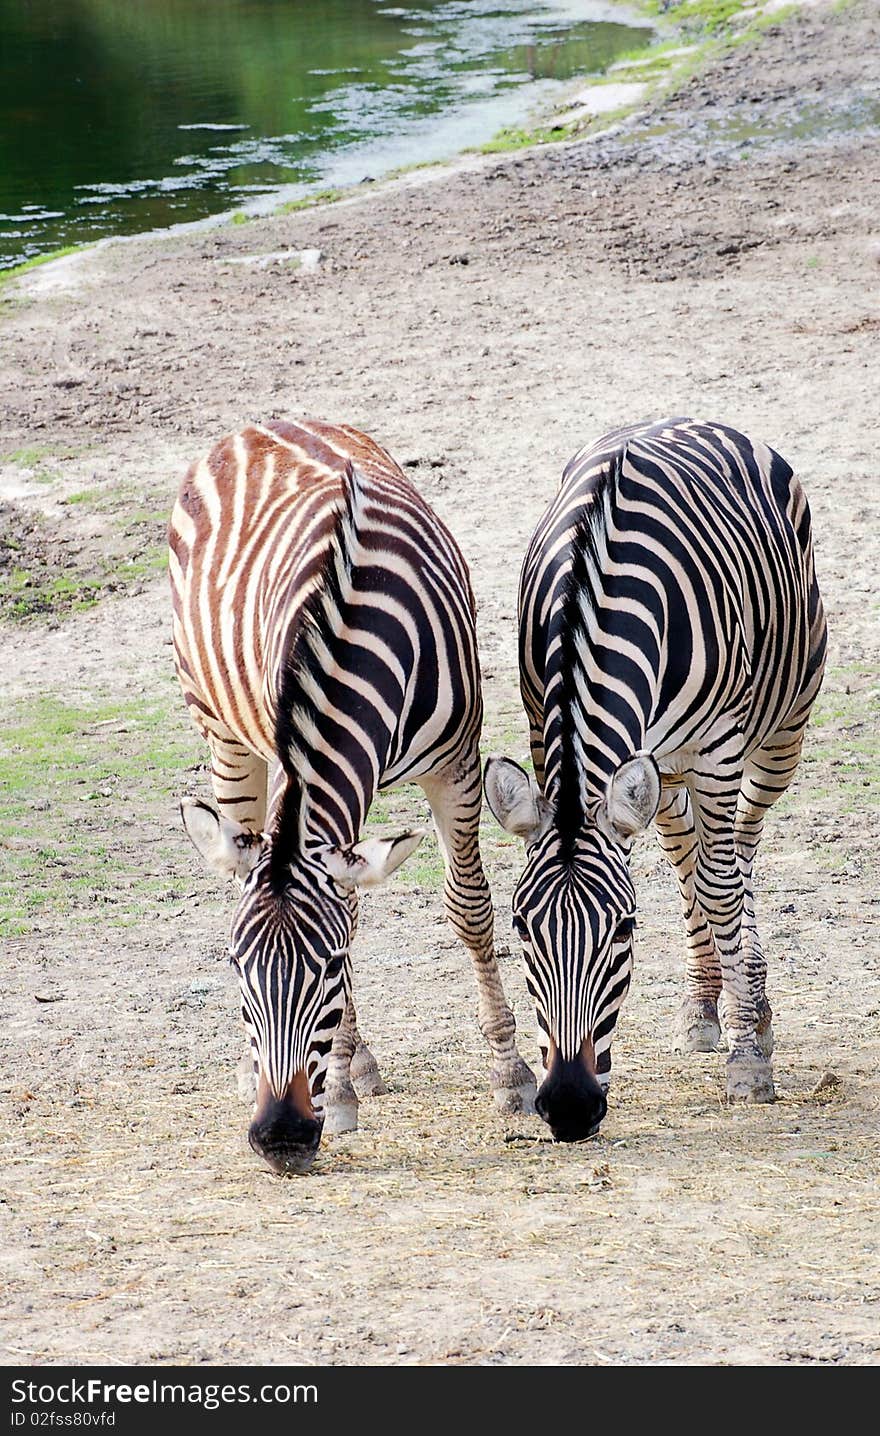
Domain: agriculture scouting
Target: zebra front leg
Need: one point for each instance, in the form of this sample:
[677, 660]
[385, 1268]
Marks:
[720, 890]
[364, 1069]
[340, 1098]
[455, 797]
[698, 1026]
[352, 1071]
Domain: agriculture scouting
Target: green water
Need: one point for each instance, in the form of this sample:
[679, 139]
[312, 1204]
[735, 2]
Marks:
[118, 116]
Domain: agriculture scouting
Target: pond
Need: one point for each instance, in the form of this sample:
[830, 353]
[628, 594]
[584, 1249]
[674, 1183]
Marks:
[118, 117]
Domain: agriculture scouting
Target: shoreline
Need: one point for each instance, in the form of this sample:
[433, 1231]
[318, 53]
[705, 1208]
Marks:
[595, 103]
[633, 13]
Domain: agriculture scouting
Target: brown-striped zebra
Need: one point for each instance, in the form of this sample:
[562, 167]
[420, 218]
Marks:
[325, 641]
[672, 642]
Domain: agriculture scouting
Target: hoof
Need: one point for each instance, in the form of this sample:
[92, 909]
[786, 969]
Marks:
[511, 1100]
[340, 1117]
[365, 1074]
[514, 1088]
[697, 1028]
[749, 1078]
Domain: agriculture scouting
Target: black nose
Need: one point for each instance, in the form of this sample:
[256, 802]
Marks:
[571, 1101]
[285, 1139]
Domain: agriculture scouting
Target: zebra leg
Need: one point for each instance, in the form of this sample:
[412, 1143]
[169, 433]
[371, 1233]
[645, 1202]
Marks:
[365, 1075]
[352, 1070]
[340, 1098]
[455, 797]
[364, 1069]
[720, 890]
[768, 773]
[698, 1027]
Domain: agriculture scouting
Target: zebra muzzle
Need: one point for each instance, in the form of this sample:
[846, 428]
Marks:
[285, 1131]
[571, 1100]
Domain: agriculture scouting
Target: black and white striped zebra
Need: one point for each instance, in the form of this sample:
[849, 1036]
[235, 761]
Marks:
[325, 642]
[672, 642]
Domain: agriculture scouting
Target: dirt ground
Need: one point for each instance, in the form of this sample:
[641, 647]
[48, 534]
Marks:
[717, 256]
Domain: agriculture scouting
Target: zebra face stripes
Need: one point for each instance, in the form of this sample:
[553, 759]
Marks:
[289, 943]
[574, 912]
[574, 918]
[672, 642]
[290, 948]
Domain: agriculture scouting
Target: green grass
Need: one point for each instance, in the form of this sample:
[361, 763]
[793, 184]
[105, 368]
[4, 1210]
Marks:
[18, 269]
[517, 139]
[39, 459]
[710, 15]
[309, 201]
[401, 170]
[72, 778]
[38, 591]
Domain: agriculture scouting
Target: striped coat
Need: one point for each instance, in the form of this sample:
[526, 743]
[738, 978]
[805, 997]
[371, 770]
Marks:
[672, 643]
[325, 643]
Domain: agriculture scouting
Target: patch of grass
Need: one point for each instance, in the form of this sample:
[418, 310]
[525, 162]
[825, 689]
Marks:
[309, 201]
[27, 458]
[18, 269]
[517, 139]
[840, 767]
[71, 775]
[240, 217]
[38, 460]
[708, 15]
[40, 589]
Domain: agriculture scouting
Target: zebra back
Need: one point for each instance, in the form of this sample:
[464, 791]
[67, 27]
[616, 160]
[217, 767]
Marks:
[323, 614]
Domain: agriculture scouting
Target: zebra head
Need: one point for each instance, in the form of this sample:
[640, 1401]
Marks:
[574, 912]
[290, 940]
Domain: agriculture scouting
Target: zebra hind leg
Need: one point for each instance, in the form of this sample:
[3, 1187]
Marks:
[767, 775]
[455, 797]
[721, 891]
[698, 1028]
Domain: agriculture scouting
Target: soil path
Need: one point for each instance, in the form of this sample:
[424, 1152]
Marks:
[717, 256]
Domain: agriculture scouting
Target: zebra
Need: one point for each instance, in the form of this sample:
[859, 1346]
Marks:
[324, 638]
[672, 642]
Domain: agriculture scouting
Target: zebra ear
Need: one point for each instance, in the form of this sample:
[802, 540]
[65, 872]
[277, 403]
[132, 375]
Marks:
[632, 797]
[227, 847]
[515, 800]
[369, 863]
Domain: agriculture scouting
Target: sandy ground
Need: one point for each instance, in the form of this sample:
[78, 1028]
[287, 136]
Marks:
[714, 257]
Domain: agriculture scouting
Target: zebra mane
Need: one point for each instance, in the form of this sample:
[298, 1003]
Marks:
[298, 695]
[587, 552]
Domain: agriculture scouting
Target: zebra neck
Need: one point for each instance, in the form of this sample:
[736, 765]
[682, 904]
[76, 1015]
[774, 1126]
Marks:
[587, 738]
[603, 674]
[328, 785]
